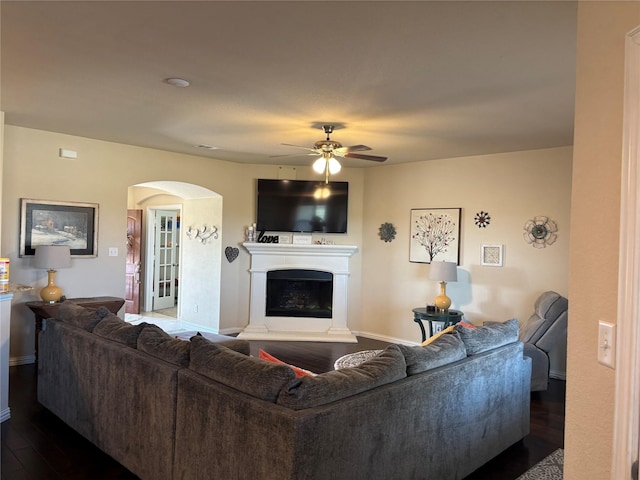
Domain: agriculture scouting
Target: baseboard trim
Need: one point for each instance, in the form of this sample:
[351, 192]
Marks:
[25, 360]
[383, 338]
[230, 331]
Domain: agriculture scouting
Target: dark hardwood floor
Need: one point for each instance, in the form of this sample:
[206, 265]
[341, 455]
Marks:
[36, 445]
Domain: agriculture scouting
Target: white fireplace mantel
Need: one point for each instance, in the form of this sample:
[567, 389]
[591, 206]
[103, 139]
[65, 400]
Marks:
[266, 257]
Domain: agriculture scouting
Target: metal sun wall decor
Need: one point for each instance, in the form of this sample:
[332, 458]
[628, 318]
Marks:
[435, 235]
[387, 232]
[203, 233]
[540, 232]
[482, 219]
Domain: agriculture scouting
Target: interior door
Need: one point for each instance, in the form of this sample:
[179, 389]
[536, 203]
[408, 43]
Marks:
[165, 259]
[133, 268]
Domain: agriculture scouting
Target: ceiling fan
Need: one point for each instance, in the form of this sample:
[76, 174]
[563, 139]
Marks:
[329, 149]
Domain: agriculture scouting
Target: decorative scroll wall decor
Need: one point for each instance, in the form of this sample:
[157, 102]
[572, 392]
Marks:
[202, 234]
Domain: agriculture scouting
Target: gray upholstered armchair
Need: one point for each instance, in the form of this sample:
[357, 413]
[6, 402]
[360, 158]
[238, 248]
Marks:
[544, 329]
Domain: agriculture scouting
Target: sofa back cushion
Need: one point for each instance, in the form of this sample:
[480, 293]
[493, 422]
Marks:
[82, 317]
[489, 336]
[114, 328]
[250, 375]
[238, 345]
[445, 349]
[158, 343]
[307, 392]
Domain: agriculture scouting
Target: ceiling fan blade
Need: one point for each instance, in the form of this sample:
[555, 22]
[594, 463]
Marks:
[301, 154]
[299, 146]
[365, 157]
[354, 148]
[357, 148]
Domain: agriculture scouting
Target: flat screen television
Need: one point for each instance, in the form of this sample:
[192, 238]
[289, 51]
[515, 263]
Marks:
[302, 206]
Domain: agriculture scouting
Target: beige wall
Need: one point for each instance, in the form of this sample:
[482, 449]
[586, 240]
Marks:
[513, 188]
[103, 174]
[602, 27]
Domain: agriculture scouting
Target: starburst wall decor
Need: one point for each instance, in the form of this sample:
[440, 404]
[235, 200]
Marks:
[482, 219]
[387, 232]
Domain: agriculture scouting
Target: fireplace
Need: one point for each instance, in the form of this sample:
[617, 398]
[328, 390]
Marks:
[299, 292]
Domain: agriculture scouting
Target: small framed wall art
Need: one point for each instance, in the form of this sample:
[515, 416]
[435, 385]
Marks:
[491, 255]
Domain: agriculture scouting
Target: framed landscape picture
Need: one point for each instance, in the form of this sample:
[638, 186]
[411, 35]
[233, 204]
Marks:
[435, 235]
[47, 222]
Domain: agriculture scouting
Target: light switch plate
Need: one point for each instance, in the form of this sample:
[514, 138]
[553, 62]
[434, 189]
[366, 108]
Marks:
[607, 344]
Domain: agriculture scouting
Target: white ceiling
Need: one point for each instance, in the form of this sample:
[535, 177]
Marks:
[412, 80]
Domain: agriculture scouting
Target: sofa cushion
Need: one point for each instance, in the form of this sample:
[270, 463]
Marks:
[489, 336]
[307, 392]
[250, 375]
[445, 349]
[82, 317]
[158, 343]
[116, 329]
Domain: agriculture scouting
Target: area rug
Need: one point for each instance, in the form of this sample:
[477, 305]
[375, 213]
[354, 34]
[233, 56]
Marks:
[549, 468]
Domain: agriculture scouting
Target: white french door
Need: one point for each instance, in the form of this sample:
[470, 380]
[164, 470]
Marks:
[165, 271]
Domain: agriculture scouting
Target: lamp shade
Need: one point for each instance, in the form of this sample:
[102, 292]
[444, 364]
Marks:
[51, 257]
[443, 272]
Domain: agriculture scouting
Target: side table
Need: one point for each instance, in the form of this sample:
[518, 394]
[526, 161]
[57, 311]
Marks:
[44, 310]
[450, 318]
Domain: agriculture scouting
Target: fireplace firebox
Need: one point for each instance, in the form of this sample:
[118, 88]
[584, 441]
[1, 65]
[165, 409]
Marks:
[299, 293]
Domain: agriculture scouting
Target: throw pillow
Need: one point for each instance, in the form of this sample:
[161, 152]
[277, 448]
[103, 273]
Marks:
[308, 392]
[116, 329]
[433, 338]
[244, 373]
[466, 325]
[442, 351]
[158, 343]
[82, 317]
[300, 372]
[489, 336]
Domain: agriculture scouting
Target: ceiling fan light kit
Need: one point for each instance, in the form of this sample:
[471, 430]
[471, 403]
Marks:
[329, 149]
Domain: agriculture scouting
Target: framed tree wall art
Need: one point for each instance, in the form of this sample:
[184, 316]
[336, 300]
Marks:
[48, 222]
[435, 235]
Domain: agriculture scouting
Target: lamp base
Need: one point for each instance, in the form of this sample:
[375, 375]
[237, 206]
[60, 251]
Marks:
[442, 302]
[51, 293]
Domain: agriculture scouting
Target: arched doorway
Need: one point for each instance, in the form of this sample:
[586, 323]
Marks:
[198, 260]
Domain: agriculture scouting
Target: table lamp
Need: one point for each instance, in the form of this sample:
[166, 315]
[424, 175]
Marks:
[51, 257]
[443, 272]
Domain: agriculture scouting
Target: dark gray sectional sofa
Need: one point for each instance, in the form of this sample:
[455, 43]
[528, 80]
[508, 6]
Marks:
[202, 409]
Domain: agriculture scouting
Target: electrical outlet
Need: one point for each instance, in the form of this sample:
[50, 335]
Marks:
[113, 251]
[195, 309]
[607, 344]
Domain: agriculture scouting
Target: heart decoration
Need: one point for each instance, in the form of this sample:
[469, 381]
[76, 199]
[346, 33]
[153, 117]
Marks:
[231, 253]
